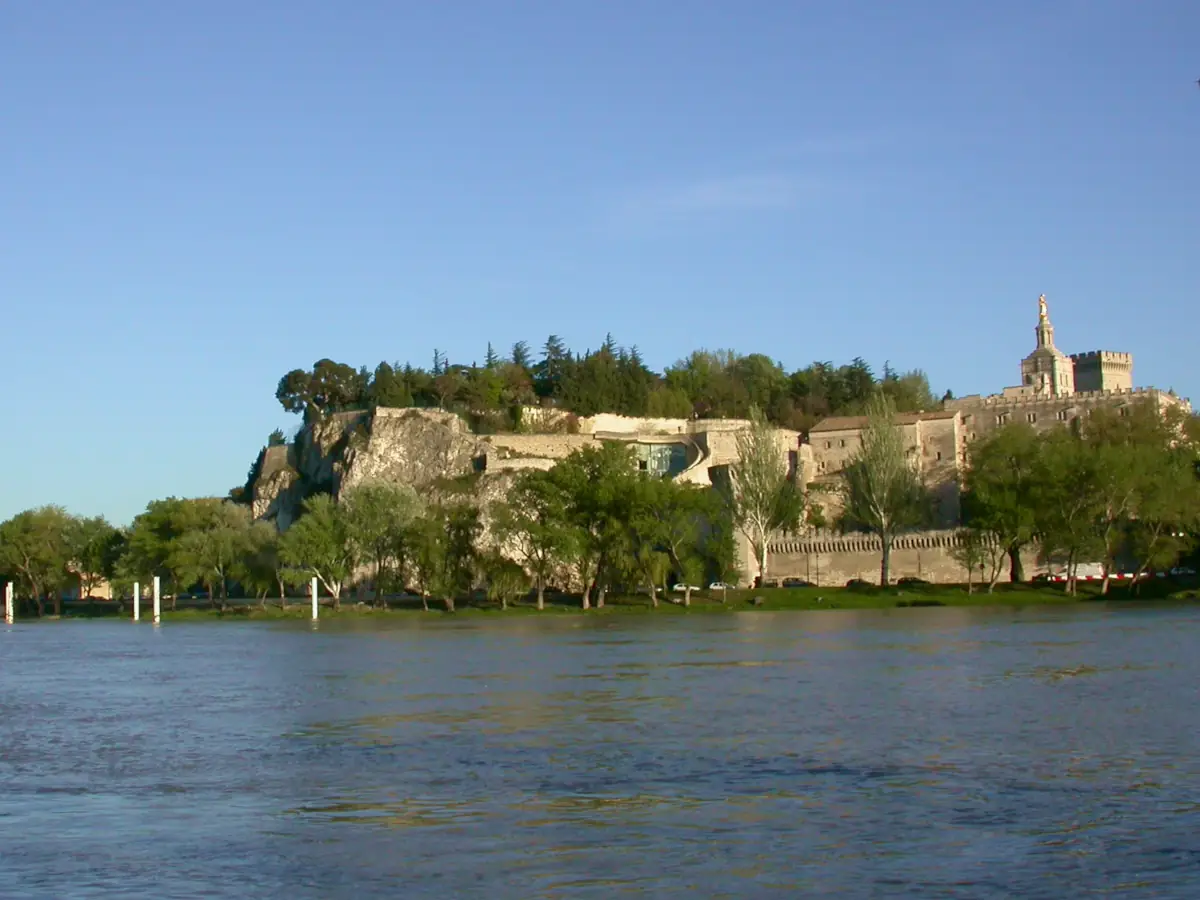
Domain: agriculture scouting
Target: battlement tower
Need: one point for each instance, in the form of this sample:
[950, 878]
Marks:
[1103, 370]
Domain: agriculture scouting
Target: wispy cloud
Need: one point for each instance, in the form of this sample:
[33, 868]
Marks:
[717, 196]
[741, 192]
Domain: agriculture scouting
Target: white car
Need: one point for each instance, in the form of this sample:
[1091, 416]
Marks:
[1183, 570]
[681, 588]
[721, 586]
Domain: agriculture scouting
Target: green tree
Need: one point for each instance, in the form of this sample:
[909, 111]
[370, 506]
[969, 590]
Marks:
[213, 548]
[678, 516]
[1000, 496]
[532, 524]
[640, 558]
[763, 381]
[651, 567]
[34, 547]
[883, 491]
[389, 389]
[979, 551]
[1121, 472]
[550, 372]
[483, 390]
[763, 498]
[447, 386]
[1152, 454]
[520, 356]
[258, 568]
[444, 551]
[92, 547]
[426, 551]
[152, 546]
[329, 387]
[506, 580]
[1168, 517]
[1069, 501]
[378, 515]
[910, 391]
[463, 526]
[319, 543]
[595, 482]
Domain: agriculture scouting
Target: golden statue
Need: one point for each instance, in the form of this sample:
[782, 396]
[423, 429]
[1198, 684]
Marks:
[1042, 314]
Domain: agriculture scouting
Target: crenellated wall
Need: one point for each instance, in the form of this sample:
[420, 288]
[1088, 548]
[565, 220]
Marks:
[982, 415]
[1103, 370]
[831, 559]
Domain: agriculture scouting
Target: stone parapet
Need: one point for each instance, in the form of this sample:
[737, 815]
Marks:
[837, 542]
[991, 401]
[1106, 356]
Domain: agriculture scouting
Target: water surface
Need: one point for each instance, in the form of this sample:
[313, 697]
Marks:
[911, 753]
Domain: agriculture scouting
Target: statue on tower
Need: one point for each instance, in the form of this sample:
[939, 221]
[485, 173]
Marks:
[1042, 313]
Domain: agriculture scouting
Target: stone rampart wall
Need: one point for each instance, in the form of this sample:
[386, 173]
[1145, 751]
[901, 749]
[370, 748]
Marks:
[834, 559]
[276, 459]
[545, 446]
[495, 464]
[615, 424]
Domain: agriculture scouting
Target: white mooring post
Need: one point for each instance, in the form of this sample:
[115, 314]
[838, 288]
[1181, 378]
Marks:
[157, 600]
[313, 588]
[8, 603]
[137, 601]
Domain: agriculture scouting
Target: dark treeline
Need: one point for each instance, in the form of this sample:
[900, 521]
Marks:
[612, 379]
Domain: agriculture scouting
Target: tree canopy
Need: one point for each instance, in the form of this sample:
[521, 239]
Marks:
[612, 378]
[1118, 484]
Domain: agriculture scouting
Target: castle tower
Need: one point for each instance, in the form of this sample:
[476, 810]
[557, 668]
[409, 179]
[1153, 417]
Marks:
[1047, 371]
[1103, 370]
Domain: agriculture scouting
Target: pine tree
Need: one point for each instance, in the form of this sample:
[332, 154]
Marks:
[520, 355]
[548, 374]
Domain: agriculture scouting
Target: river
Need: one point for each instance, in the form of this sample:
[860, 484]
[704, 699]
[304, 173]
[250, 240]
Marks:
[906, 753]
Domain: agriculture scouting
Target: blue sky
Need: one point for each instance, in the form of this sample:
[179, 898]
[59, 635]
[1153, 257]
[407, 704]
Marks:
[197, 197]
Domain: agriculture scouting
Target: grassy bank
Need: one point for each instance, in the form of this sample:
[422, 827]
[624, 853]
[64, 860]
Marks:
[766, 599]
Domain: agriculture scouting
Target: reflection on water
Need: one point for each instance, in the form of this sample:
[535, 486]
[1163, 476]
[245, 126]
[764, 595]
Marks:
[932, 752]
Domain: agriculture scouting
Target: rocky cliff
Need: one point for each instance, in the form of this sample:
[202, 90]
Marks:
[409, 446]
[436, 453]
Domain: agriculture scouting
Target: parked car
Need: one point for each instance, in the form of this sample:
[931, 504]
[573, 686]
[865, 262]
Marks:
[680, 588]
[1183, 570]
[858, 583]
[796, 583]
[908, 579]
[721, 586]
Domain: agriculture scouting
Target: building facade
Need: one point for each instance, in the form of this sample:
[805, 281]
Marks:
[1055, 389]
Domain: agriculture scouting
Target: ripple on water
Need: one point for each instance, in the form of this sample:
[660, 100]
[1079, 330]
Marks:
[956, 754]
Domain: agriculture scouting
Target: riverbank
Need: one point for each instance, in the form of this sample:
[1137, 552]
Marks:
[766, 599]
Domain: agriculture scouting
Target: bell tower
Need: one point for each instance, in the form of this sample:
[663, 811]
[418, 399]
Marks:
[1047, 371]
